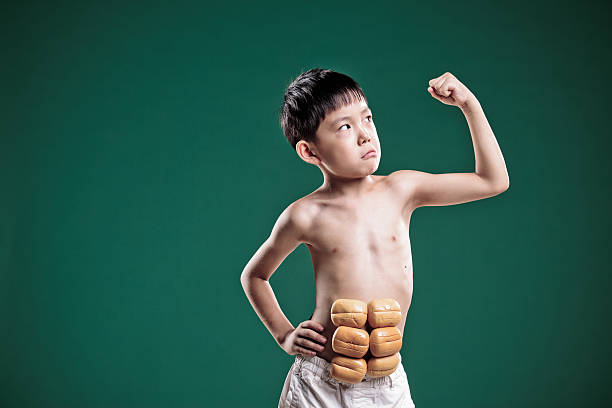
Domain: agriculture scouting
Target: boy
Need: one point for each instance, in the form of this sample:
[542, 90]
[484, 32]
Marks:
[355, 226]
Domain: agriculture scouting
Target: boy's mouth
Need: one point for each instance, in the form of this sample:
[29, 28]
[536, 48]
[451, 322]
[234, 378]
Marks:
[370, 153]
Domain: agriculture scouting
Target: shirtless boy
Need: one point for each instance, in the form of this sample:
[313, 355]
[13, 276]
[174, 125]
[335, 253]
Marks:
[355, 226]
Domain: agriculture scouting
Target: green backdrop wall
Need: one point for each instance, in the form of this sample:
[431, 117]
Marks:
[142, 164]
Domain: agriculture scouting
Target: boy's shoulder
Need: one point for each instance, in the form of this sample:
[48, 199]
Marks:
[302, 211]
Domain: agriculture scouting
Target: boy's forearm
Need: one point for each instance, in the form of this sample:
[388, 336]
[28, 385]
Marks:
[264, 302]
[490, 162]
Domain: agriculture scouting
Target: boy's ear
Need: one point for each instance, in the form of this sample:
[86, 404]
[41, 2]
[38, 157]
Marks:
[305, 152]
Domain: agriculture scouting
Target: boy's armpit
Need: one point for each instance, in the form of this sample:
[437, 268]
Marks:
[286, 235]
[403, 187]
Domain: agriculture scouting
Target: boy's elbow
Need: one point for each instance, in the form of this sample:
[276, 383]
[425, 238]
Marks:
[245, 282]
[503, 187]
[244, 278]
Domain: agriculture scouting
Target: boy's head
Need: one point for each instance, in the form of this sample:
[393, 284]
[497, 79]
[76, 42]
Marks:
[326, 119]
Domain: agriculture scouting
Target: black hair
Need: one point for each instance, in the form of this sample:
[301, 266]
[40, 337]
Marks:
[311, 96]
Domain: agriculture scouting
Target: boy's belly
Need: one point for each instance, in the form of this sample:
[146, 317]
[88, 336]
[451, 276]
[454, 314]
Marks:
[364, 285]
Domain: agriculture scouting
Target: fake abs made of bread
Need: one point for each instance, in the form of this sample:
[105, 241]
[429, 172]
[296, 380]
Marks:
[351, 341]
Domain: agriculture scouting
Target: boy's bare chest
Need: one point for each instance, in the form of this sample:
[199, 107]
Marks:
[372, 231]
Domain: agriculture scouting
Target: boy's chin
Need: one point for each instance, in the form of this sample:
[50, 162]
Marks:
[373, 169]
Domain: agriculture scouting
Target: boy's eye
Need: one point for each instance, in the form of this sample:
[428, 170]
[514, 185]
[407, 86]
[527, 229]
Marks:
[346, 124]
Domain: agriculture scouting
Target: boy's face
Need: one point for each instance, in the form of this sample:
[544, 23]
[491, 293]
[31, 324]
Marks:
[343, 137]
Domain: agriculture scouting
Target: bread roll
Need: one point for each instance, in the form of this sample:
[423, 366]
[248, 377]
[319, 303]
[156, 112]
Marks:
[349, 312]
[384, 313]
[385, 341]
[347, 369]
[350, 341]
[381, 366]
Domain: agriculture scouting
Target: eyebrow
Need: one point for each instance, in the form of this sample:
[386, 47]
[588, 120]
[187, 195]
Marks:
[347, 117]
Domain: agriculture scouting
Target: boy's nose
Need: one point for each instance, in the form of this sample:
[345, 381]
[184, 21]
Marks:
[364, 136]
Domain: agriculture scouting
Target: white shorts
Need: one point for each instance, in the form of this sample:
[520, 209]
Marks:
[310, 384]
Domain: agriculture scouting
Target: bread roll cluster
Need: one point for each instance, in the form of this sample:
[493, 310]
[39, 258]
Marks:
[385, 338]
[352, 340]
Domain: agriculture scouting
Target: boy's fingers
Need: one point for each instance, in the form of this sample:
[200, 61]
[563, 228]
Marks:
[442, 87]
[309, 344]
[435, 80]
[438, 82]
[313, 335]
[434, 94]
[442, 90]
[302, 350]
[443, 99]
[312, 324]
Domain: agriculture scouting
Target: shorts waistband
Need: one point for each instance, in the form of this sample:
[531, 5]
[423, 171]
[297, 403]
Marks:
[319, 367]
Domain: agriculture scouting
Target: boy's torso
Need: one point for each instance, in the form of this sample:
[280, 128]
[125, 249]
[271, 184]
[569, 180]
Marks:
[360, 249]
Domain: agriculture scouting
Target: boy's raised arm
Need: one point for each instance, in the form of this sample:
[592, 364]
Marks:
[285, 237]
[490, 178]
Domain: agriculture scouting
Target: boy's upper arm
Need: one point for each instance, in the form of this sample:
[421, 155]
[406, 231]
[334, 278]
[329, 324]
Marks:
[420, 189]
[286, 235]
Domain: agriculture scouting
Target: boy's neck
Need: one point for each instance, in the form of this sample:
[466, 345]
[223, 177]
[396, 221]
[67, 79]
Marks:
[343, 187]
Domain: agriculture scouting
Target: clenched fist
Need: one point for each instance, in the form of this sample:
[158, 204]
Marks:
[449, 90]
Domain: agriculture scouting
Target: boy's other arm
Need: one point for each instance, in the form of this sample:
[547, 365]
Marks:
[286, 235]
[490, 178]
[419, 189]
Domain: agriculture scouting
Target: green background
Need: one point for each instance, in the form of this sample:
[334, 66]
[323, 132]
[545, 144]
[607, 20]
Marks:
[142, 165]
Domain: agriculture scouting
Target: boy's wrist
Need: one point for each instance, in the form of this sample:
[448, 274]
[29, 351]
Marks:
[280, 339]
[471, 104]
